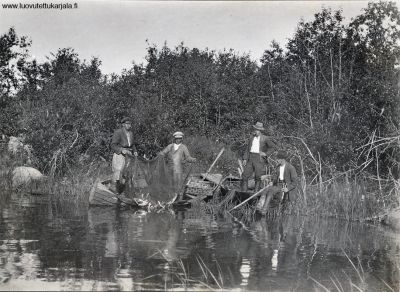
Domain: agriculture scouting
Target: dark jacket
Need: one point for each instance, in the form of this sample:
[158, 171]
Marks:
[290, 177]
[266, 145]
[120, 141]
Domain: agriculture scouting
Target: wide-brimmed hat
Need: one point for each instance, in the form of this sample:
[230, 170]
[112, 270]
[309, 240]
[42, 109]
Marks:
[177, 135]
[126, 120]
[259, 126]
[282, 154]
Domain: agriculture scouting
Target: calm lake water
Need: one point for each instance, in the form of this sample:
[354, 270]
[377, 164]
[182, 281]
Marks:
[45, 246]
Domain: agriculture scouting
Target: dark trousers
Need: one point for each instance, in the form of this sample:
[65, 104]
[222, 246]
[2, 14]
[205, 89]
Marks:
[254, 164]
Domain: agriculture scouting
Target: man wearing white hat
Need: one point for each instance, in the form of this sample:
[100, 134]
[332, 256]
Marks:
[177, 153]
[258, 148]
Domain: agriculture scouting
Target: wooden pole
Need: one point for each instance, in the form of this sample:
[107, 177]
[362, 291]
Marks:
[215, 161]
[248, 199]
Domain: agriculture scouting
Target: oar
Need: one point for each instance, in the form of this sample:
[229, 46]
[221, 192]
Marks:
[248, 199]
[215, 161]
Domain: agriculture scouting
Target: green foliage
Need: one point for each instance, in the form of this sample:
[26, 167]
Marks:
[13, 61]
[13, 58]
[337, 84]
[332, 86]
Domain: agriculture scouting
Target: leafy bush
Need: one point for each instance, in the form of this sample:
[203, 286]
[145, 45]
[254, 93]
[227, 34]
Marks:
[333, 87]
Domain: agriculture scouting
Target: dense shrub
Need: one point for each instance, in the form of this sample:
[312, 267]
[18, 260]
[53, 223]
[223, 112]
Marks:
[324, 96]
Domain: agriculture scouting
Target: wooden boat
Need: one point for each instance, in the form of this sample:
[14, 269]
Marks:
[101, 195]
[235, 196]
[276, 206]
[200, 187]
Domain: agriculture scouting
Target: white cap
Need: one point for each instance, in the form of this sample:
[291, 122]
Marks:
[178, 135]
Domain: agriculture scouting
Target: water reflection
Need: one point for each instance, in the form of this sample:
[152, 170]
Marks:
[45, 246]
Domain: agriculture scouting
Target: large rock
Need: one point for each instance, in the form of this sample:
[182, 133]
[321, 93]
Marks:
[22, 175]
[392, 219]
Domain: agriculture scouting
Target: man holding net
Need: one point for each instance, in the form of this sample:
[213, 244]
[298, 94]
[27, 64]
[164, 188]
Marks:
[177, 153]
[122, 146]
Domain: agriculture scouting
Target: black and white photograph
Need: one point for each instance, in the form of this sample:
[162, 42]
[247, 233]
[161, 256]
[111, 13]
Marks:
[199, 145]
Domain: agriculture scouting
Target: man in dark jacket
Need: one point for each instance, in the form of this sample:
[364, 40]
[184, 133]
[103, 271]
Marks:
[285, 182]
[258, 149]
[121, 145]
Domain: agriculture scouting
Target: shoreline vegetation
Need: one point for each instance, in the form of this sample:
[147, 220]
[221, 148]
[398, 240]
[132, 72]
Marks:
[330, 98]
[349, 196]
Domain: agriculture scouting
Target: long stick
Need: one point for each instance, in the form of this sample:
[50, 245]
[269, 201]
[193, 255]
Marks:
[249, 198]
[186, 177]
[215, 161]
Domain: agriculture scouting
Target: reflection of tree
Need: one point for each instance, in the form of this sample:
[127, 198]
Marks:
[126, 250]
[20, 258]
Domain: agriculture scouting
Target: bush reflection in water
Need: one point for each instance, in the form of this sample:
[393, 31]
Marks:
[111, 249]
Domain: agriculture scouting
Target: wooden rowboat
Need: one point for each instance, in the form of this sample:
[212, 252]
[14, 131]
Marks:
[101, 195]
[200, 187]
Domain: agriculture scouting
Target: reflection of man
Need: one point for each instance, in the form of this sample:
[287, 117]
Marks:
[121, 145]
[285, 181]
[177, 154]
[258, 148]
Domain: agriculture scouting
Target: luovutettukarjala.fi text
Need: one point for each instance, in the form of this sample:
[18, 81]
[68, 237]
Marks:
[59, 6]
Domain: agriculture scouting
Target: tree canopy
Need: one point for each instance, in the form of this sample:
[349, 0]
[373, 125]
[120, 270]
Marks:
[333, 86]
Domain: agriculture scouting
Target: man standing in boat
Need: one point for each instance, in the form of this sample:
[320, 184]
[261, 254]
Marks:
[122, 145]
[284, 183]
[177, 153]
[258, 149]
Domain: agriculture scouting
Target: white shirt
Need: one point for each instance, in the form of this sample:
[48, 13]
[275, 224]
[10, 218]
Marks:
[255, 146]
[176, 146]
[281, 171]
[128, 137]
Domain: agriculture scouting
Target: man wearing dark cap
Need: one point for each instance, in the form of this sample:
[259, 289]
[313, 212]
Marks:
[285, 182]
[121, 145]
[258, 149]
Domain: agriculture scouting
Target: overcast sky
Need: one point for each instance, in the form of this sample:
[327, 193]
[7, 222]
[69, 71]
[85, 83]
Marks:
[116, 31]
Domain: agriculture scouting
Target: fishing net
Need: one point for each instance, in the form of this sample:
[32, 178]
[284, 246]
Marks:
[152, 177]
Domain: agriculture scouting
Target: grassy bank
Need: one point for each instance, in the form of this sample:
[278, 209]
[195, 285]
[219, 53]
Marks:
[73, 187]
[348, 196]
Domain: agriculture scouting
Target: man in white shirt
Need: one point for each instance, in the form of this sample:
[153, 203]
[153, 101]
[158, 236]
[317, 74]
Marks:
[257, 150]
[284, 183]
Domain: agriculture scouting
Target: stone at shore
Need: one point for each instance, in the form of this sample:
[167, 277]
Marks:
[392, 219]
[22, 175]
